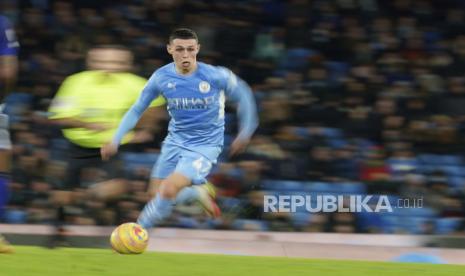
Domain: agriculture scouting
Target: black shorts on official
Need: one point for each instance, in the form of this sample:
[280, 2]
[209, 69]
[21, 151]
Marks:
[86, 167]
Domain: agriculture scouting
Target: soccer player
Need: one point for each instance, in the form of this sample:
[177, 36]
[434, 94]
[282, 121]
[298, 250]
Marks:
[89, 106]
[8, 70]
[195, 94]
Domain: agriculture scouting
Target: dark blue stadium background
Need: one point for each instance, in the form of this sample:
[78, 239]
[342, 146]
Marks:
[355, 97]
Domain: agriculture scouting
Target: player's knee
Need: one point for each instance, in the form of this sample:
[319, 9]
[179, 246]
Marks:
[108, 190]
[168, 190]
[170, 186]
[152, 192]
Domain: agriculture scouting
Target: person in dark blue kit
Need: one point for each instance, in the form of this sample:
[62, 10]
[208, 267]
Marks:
[8, 70]
[195, 93]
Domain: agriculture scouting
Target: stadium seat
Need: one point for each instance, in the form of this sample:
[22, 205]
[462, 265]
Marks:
[301, 132]
[370, 221]
[318, 187]
[403, 165]
[332, 133]
[416, 225]
[441, 160]
[301, 219]
[15, 216]
[427, 168]
[351, 188]
[132, 161]
[452, 170]
[337, 69]
[294, 59]
[337, 143]
[457, 182]
[452, 160]
[336, 188]
[417, 212]
[283, 185]
[390, 223]
[447, 225]
[145, 159]
[407, 220]
[428, 159]
[399, 224]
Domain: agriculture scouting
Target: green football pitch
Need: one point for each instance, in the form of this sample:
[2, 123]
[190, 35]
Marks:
[33, 261]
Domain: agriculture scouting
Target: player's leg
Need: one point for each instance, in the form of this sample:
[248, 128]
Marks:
[113, 184]
[65, 194]
[161, 207]
[204, 193]
[157, 209]
[202, 165]
[209, 187]
[154, 186]
[166, 165]
[206, 199]
[5, 158]
[192, 168]
[5, 247]
[185, 196]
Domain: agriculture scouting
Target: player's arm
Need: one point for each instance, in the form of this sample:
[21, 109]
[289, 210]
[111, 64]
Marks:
[238, 91]
[132, 116]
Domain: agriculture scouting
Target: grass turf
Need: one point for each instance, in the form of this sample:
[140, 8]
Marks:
[89, 262]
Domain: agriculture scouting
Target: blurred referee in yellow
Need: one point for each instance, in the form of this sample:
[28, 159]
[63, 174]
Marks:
[88, 107]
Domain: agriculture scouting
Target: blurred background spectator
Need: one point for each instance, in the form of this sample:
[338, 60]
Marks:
[355, 97]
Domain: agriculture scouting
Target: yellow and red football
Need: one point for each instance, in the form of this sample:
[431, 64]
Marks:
[129, 238]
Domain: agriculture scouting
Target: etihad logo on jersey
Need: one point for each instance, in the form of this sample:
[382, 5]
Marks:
[190, 103]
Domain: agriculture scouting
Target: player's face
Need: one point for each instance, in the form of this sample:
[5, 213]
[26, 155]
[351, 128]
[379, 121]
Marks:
[109, 59]
[184, 53]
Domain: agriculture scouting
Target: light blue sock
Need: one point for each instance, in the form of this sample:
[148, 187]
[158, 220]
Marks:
[155, 211]
[187, 195]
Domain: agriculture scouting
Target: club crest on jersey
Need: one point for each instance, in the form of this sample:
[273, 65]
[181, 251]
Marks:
[204, 87]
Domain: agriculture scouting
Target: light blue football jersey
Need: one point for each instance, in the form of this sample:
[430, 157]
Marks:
[196, 104]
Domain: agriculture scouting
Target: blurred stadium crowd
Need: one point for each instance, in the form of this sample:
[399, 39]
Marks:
[355, 97]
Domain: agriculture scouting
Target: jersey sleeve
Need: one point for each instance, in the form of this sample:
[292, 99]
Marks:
[238, 91]
[149, 93]
[139, 83]
[8, 42]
